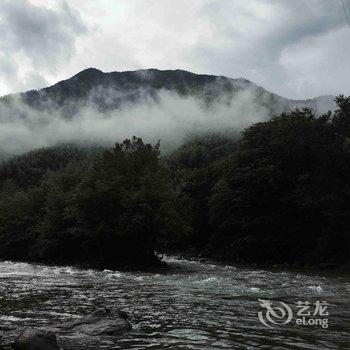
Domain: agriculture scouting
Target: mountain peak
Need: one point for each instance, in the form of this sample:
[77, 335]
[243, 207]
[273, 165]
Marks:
[89, 73]
[108, 91]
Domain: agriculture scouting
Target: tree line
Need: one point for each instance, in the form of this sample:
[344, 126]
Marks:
[278, 194]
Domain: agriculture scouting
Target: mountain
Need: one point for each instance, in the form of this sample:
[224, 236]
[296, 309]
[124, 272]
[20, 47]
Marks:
[108, 91]
[98, 108]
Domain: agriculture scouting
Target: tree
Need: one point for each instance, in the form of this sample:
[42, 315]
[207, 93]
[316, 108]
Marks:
[282, 196]
[121, 206]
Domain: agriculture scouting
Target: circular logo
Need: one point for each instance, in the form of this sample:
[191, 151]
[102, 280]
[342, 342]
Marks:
[277, 314]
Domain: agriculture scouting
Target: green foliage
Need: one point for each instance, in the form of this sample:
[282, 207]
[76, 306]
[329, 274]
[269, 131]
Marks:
[29, 169]
[195, 169]
[108, 213]
[283, 195]
[279, 194]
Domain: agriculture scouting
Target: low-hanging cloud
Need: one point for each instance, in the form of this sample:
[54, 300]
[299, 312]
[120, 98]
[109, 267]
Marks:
[170, 118]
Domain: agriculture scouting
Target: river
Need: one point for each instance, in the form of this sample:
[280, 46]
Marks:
[192, 305]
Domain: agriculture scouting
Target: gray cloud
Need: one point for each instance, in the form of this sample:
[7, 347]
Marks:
[298, 49]
[254, 46]
[35, 41]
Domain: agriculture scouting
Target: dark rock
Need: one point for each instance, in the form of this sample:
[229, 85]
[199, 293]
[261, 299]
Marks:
[101, 322]
[36, 339]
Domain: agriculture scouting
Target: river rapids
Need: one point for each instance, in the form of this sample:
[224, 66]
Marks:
[191, 305]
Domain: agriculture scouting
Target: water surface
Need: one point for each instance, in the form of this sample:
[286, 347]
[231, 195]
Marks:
[191, 306]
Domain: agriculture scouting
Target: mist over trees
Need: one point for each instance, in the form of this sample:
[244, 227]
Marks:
[281, 196]
[104, 108]
[278, 194]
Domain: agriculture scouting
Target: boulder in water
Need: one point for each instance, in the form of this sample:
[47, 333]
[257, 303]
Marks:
[36, 339]
[101, 322]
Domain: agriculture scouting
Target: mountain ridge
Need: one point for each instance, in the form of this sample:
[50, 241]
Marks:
[91, 84]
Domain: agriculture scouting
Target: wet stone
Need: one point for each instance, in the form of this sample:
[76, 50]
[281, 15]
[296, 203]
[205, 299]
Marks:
[101, 322]
[36, 339]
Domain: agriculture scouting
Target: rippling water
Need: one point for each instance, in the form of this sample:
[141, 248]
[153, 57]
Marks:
[191, 306]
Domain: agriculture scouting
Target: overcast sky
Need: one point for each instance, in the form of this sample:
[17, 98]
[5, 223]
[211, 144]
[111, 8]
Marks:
[296, 48]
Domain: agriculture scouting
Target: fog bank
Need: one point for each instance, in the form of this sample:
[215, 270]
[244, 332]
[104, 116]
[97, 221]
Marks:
[170, 118]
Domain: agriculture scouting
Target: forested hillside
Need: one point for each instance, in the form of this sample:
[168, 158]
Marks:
[281, 196]
[108, 91]
[277, 194]
[27, 170]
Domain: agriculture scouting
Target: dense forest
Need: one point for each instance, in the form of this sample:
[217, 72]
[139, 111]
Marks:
[277, 194]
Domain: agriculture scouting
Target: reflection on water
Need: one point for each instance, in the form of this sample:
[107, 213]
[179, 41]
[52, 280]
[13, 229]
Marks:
[191, 306]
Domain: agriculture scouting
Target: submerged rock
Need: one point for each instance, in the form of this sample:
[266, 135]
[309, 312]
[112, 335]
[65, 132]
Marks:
[36, 339]
[101, 322]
